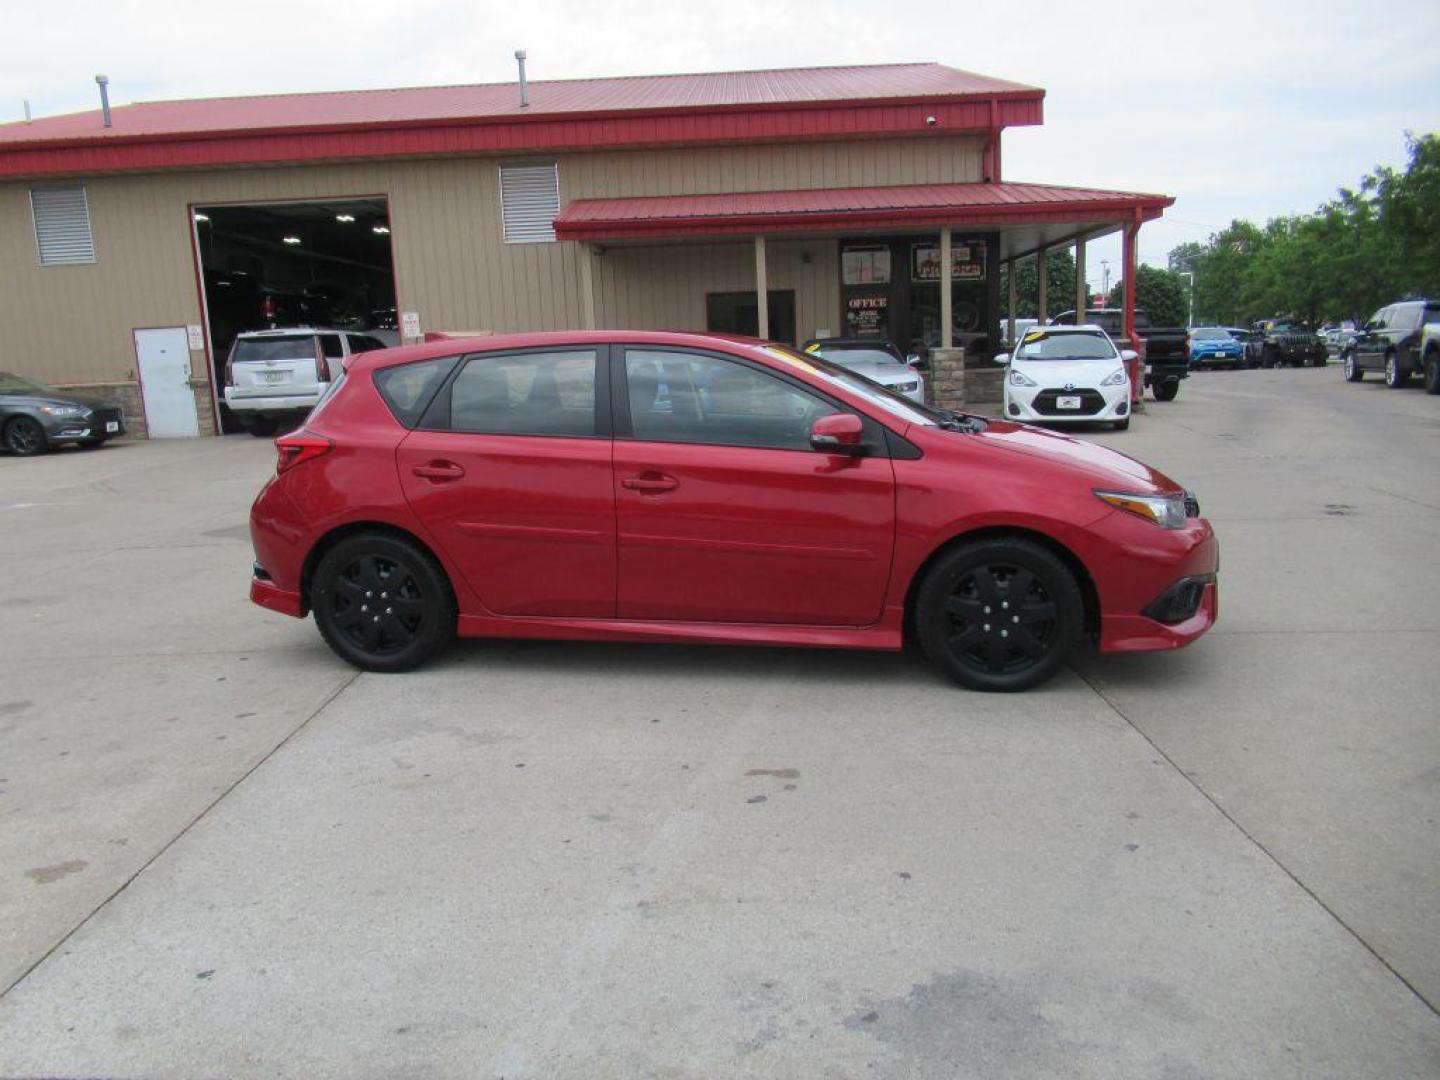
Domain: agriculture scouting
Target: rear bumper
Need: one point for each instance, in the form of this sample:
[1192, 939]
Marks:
[269, 595]
[243, 401]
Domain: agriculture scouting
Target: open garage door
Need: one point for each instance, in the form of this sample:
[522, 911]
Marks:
[274, 265]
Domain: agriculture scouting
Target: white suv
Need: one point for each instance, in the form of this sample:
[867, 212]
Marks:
[275, 377]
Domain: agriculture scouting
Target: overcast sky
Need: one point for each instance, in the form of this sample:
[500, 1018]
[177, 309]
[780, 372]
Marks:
[1238, 109]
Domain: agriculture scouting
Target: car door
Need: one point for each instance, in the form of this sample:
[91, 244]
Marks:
[724, 511]
[510, 471]
[1369, 346]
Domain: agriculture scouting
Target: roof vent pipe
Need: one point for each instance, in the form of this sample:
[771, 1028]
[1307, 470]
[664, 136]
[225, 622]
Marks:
[103, 81]
[524, 86]
[27, 110]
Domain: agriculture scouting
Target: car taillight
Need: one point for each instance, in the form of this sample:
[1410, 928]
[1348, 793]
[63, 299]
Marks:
[297, 447]
[230, 366]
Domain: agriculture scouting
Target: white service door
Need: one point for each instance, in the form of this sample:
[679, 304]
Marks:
[164, 358]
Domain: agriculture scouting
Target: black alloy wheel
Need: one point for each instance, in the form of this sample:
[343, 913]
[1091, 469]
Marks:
[382, 603]
[1353, 371]
[26, 437]
[1395, 375]
[1432, 373]
[999, 615]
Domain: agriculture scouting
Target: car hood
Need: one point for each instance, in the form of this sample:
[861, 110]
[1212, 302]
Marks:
[34, 400]
[1054, 374]
[883, 373]
[1107, 468]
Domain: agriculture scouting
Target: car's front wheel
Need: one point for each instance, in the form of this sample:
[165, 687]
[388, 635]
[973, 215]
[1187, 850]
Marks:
[25, 437]
[1395, 375]
[383, 603]
[999, 615]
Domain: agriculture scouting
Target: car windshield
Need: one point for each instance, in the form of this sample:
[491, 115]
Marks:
[835, 375]
[14, 384]
[853, 356]
[297, 347]
[1209, 335]
[1071, 345]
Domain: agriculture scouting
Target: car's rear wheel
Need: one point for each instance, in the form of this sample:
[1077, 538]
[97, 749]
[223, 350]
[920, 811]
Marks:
[1166, 391]
[999, 615]
[1395, 375]
[383, 603]
[1432, 373]
[25, 437]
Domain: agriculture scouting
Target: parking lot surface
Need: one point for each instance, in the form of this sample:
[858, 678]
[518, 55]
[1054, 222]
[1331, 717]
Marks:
[222, 852]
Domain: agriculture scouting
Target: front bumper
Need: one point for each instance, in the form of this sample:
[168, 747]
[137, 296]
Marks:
[1211, 358]
[1040, 404]
[101, 424]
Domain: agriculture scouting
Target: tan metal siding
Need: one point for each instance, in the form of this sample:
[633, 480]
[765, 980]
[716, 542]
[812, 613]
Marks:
[73, 323]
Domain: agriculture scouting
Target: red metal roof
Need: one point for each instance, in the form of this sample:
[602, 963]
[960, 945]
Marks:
[590, 113]
[870, 207]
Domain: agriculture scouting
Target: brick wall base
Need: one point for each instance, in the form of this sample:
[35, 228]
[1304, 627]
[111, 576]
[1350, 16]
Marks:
[964, 388]
[127, 396]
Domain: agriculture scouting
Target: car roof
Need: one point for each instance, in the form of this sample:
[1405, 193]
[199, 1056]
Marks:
[457, 346]
[292, 331]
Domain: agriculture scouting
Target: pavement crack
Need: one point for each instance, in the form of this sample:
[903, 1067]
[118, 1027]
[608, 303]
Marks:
[329, 698]
[1115, 708]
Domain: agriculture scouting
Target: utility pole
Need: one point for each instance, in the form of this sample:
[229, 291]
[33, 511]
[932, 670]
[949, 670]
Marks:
[1105, 278]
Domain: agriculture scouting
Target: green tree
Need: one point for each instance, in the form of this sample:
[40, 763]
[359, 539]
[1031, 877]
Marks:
[1162, 293]
[1059, 280]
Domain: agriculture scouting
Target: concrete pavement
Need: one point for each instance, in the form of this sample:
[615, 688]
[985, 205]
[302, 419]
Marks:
[223, 853]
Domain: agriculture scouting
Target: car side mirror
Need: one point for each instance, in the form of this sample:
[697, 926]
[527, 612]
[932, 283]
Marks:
[1002, 358]
[838, 433]
[1129, 354]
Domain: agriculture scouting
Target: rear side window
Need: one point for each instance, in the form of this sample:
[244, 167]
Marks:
[525, 394]
[409, 388]
[297, 347]
[360, 344]
[330, 343]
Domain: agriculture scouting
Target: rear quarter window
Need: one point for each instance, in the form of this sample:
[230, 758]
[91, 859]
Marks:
[409, 388]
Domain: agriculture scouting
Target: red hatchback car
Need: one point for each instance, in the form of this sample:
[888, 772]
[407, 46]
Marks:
[681, 487]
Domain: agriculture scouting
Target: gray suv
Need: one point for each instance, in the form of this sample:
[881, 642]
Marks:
[274, 377]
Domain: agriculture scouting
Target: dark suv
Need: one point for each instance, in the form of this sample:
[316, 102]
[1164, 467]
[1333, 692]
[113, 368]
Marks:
[1390, 342]
[1288, 341]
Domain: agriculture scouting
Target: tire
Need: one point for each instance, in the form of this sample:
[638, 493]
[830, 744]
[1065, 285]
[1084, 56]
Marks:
[1122, 425]
[25, 437]
[344, 598]
[1432, 373]
[1166, 391]
[968, 593]
[1353, 371]
[1268, 359]
[1395, 375]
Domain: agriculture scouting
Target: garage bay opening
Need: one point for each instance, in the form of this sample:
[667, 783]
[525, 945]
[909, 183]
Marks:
[324, 264]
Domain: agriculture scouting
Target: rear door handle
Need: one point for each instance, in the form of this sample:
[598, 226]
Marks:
[439, 470]
[650, 483]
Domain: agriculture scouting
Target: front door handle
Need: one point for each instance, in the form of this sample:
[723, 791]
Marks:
[439, 470]
[650, 483]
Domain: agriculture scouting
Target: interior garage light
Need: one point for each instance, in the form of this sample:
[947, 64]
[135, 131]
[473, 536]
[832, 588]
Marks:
[291, 239]
[202, 217]
[347, 218]
[383, 230]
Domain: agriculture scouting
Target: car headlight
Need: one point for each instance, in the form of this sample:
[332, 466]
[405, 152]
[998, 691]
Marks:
[906, 387]
[1115, 378]
[1167, 511]
[75, 411]
[1019, 378]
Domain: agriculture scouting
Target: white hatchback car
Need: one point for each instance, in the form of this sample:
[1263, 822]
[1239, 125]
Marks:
[1067, 374]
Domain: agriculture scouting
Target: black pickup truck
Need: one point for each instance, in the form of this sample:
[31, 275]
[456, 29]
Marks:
[1165, 349]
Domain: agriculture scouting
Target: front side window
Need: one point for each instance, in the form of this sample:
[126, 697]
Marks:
[689, 398]
[550, 393]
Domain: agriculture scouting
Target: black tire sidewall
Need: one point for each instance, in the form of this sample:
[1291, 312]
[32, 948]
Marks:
[1432, 375]
[1166, 391]
[436, 631]
[22, 422]
[950, 568]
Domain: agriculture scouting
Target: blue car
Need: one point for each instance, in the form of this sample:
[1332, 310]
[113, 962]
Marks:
[1210, 346]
